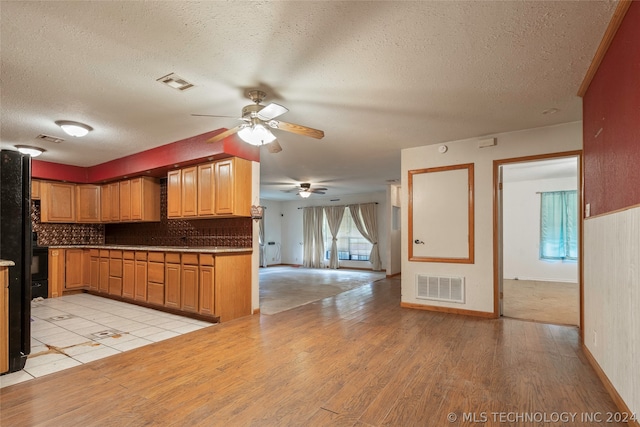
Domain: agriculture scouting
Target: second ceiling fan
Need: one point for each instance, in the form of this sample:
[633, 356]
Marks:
[258, 120]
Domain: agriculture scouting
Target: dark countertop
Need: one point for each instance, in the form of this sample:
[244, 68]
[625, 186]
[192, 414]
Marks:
[191, 249]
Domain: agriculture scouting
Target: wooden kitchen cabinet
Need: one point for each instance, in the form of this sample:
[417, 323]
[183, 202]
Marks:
[103, 273]
[58, 202]
[94, 270]
[128, 275]
[232, 286]
[206, 300]
[105, 203]
[73, 275]
[174, 194]
[189, 197]
[172, 281]
[114, 201]
[206, 190]
[35, 189]
[189, 280]
[155, 278]
[145, 199]
[125, 200]
[232, 180]
[88, 203]
[141, 278]
[115, 273]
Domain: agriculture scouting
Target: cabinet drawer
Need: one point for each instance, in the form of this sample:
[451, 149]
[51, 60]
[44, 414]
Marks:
[94, 253]
[104, 253]
[190, 259]
[141, 256]
[172, 258]
[155, 294]
[115, 254]
[115, 267]
[206, 259]
[127, 255]
[155, 273]
[156, 256]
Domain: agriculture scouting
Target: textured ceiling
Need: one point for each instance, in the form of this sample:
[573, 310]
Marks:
[375, 76]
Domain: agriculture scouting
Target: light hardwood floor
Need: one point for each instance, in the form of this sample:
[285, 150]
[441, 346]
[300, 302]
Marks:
[540, 301]
[355, 359]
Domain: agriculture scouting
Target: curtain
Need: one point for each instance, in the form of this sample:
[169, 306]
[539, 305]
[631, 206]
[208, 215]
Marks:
[559, 225]
[313, 244]
[261, 243]
[334, 219]
[367, 225]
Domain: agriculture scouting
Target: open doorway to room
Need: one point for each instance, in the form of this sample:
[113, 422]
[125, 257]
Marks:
[539, 221]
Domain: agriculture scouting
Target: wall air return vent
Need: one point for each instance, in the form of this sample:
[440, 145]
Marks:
[50, 138]
[440, 288]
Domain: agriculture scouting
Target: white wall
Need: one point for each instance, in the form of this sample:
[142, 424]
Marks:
[479, 276]
[521, 232]
[394, 231]
[273, 221]
[612, 299]
[255, 256]
[291, 225]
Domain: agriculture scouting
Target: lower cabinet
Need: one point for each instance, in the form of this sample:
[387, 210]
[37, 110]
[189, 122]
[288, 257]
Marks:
[155, 284]
[141, 279]
[73, 276]
[115, 273]
[189, 283]
[103, 274]
[206, 300]
[128, 275]
[172, 281]
[94, 269]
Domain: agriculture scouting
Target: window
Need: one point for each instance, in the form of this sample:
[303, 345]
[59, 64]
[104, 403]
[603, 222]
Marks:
[559, 225]
[351, 245]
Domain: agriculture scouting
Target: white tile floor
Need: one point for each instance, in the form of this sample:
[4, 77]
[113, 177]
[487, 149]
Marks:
[76, 329]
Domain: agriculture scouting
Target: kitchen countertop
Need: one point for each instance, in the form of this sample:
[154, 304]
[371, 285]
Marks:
[6, 263]
[192, 249]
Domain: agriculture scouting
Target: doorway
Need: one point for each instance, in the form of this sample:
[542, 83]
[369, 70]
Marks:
[538, 236]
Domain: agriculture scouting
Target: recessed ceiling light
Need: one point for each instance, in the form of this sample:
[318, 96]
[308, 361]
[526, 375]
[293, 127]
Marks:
[76, 129]
[550, 111]
[31, 151]
[175, 81]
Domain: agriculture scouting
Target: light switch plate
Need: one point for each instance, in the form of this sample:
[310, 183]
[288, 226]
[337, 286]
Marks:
[587, 210]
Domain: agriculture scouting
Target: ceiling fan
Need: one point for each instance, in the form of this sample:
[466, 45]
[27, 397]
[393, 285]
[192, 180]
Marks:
[304, 190]
[257, 121]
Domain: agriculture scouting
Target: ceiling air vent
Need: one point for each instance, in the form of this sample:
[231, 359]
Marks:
[175, 81]
[50, 138]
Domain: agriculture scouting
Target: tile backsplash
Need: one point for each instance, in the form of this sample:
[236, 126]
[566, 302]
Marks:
[227, 232]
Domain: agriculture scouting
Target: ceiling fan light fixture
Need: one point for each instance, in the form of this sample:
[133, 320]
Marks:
[304, 194]
[31, 151]
[76, 129]
[256, 135]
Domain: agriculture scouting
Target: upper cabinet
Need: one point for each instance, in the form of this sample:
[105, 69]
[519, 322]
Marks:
[220, 188]
[35, 189]
[58, 202]
[131, 200]
[88, 203]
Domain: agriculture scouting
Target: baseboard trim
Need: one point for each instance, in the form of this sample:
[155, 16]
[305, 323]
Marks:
[615, 396]
[256, 311]
[389, 276]
[450, 310]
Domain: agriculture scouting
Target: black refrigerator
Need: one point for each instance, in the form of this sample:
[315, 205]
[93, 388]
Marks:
[15, 245]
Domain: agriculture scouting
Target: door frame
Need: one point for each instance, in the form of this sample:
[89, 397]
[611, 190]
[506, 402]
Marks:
[497, 225]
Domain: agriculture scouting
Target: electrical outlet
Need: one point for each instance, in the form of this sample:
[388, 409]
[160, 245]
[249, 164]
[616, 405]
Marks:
[587, 210]
[595, 339]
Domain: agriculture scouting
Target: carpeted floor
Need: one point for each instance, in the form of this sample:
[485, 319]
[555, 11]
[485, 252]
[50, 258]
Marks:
[283, 287]
[548, 302]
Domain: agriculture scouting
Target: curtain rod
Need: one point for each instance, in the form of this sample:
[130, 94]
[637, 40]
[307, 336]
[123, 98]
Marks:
[331, 206]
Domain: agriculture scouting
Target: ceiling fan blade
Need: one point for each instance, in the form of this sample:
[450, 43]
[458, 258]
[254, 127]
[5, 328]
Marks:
[319, 189]
[316, 192]
[271, 111]
[274, 147]
[214, 115]
[299, 129]
[223, 135]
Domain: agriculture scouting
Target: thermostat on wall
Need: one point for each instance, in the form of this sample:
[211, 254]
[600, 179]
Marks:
[443, 149]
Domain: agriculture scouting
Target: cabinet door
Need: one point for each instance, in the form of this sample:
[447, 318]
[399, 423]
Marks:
[206, 300]
[114, 189]
[189, 199]
[232, 286]
[103, 281]
[73, 269]
[141, 280]
[88, 203]
[206, 189]
[174, 194]
[189, 288]
[128, 278]
[105, 203]
[224, 193]
[58, 202]
[94, 275]
[35, 189]
[125, 200]
[136, 199]
[155, 283]
[172, 286]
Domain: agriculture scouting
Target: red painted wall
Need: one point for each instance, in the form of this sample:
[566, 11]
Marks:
[611, 123]
[155, 162]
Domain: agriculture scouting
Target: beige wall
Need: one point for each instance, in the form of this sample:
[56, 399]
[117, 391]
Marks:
[478, 276]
